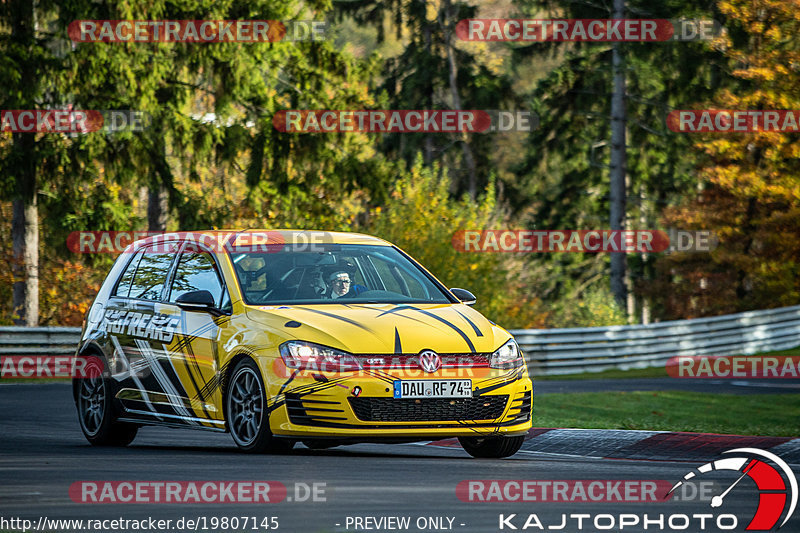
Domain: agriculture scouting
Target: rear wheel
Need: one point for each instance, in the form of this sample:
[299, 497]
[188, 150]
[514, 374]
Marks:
[95, 402]
[494, 447]
[247, 416]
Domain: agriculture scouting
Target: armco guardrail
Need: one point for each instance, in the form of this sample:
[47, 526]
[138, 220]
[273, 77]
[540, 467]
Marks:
[574, 350]
[565, 350]
[38, 341]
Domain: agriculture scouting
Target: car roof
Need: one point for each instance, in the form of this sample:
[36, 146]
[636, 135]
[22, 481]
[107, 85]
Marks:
[244, 237]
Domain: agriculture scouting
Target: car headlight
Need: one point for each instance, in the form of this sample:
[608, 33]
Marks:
[507, 356]
[309, 356]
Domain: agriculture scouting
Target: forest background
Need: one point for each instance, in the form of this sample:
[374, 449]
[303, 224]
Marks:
[211, 158]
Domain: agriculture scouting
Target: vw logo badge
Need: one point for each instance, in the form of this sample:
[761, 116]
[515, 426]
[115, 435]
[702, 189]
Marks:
[429, 361]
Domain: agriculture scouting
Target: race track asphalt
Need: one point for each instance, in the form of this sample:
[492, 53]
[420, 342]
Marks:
[42, 453]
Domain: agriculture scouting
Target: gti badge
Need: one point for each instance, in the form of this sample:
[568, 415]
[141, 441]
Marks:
[429, 361]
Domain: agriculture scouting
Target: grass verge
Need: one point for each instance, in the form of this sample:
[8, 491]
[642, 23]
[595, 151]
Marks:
[752, 414]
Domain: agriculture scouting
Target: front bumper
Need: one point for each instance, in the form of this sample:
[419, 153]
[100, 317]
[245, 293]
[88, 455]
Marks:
[361, 405]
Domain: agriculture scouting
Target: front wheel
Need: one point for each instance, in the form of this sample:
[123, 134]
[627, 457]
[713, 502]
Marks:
[492, 447]
[247, 416]
[94, 400]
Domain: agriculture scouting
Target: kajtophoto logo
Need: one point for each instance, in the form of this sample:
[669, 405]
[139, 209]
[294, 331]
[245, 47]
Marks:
[774, 481]
[777, 485]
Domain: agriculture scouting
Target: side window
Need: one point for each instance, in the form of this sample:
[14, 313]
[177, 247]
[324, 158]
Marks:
[196, 272]
[151, 274]
[124, 285]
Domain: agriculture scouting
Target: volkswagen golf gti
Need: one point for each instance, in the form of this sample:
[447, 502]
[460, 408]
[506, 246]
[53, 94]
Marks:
[285, 336]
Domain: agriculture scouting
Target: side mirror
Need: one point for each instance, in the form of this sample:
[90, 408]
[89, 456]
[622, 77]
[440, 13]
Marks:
[464, 295]
[198, 301]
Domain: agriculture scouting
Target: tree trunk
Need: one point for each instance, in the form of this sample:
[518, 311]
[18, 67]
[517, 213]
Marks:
[157, 208]
[25, 217]
[25, 242]
[447, 22]
[618, 163]
[427, 32]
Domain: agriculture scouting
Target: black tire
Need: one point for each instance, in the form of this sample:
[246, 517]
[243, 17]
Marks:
[94, 400]
[491, 447]
[246, 414]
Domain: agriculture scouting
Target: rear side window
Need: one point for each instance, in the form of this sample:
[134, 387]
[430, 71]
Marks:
[124, 285]
[151, 274]
[197, 272]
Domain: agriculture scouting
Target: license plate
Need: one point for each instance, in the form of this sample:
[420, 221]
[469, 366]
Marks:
[433, 388]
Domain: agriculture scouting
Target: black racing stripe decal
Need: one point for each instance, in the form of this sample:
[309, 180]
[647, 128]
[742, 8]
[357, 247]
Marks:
[383, 376]
[286, 383]
[213, 384]
[447, 323]
[337, 317]
[511, 375]
[185, 345]
[483, 390]
[401, 308]
[398, 347]
[436, 317]
[190, 373]
[396, 310]
[312, 387]
[216, 382]
[189, 337]
[471, 323]
[171, 374]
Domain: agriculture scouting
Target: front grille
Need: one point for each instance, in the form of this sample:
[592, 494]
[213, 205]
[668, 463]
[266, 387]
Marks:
[521, 407]
[428, 409]
[449, 360]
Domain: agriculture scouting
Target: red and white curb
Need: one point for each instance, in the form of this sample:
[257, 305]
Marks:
[646, 445]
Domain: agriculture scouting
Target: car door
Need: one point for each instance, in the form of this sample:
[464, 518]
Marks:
[137, 331]
[195, 351]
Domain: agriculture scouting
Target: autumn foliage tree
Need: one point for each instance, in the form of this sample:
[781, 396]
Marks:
[750, 181]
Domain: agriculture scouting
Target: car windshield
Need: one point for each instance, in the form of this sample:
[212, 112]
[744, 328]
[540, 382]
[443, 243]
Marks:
[333, 273]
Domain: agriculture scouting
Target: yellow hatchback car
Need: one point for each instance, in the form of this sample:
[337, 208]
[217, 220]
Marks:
[285, 336]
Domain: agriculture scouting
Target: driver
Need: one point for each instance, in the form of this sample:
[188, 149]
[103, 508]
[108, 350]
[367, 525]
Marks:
[340, 285]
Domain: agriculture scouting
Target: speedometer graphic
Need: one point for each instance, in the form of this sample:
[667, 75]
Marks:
[776, 486]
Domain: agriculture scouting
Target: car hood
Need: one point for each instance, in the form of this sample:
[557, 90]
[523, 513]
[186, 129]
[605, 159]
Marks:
[385, 328]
